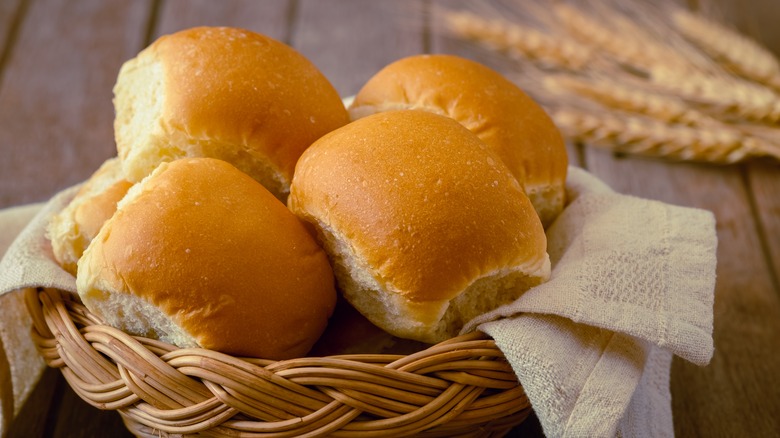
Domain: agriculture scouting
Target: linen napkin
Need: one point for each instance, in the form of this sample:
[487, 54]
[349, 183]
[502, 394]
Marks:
[632, 284]
[20, 365]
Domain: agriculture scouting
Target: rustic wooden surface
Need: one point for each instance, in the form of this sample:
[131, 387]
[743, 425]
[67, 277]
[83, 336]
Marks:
[58, 63]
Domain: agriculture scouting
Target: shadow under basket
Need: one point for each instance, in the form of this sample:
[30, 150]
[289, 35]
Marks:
[460, 387]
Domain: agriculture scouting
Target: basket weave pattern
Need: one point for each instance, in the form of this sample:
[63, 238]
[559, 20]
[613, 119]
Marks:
[460, 387]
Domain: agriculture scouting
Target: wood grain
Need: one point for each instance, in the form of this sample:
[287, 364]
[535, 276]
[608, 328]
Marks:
[764, 182]
[75, 418]
[43, 402]
[11, 12]
[55, 100]
[349, 50]
[56, 127]
[758, 19]
[268, 17]
[60, 60]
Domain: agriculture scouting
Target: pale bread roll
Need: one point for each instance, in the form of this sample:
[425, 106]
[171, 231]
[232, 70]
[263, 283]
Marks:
[225, 93]
[71, 230]
[425, 225]
[200, 254]
[486, 103]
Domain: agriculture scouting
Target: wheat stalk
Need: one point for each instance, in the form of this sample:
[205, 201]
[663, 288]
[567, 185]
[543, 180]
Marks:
[636, 52]
[518, 41]
[734, 50]
[643, 136]
[633, 99]
[669, 100]
[725, 97]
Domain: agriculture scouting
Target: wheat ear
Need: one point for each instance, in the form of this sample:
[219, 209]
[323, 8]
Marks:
[734, 50]
[633, 99]
[643, 136]
[726, 98]
[638, 53]
[517, 41]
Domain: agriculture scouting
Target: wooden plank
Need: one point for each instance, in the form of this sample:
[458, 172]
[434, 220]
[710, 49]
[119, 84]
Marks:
[10, 13]
[56, 128]
[54, 410]
[55, 100]
[76, 418]
[349, 50]
[764, 181]
[268, 18]
[31, 422]
[756, 18]
[741, 383]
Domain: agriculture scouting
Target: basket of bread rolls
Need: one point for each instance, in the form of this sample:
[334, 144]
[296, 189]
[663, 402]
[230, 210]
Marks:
[263, 259]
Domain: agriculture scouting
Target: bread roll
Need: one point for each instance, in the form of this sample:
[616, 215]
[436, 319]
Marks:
[425, 225]
[486, 103]
[199, 254]
[71, 230]
[225, 93]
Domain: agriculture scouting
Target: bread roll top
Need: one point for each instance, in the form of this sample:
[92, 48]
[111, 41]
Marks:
[486, 103]
[225, 93]
[422, 207]
[215, 254]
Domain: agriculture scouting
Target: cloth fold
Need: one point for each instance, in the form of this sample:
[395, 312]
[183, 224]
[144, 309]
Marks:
[632, 284]
[629, 265]
[20, 365]
[29, 261]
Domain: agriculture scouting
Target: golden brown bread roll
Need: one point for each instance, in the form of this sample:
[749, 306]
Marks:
[200, 254]
[225, 93]
[425, 225]
[486, 103]
[71, 230]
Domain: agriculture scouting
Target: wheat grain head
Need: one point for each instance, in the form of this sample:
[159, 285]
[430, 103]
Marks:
[615, 95]
[626, 45]
[517, 41]
[724, 97]
[643, 136]
[736, 51]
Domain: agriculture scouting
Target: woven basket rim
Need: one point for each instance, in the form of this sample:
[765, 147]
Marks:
[460, 387]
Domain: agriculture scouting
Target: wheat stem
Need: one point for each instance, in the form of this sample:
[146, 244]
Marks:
[664, 99]
[518, 41]
[634, 99]
[636, 52]
[732, 49]
[642, 136]
[725, 97]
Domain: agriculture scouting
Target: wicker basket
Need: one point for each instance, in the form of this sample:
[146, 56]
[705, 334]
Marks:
[461, 387]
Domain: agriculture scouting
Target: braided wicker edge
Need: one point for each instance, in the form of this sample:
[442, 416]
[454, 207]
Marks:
[460, 387]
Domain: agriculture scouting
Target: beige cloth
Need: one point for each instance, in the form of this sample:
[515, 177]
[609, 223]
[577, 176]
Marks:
[632, 284]
[20, 365]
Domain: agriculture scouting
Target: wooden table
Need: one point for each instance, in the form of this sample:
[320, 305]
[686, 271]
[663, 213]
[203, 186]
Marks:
[59, 61]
